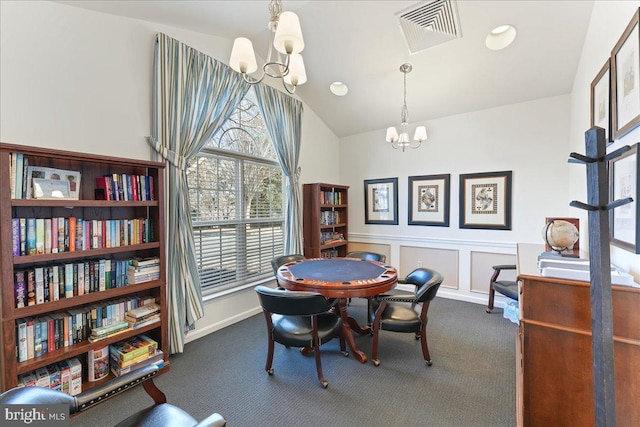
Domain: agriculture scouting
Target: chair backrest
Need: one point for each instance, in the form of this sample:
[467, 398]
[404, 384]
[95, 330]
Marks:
[369, 256]
[427, 282]
[277, 262]
[292, 303]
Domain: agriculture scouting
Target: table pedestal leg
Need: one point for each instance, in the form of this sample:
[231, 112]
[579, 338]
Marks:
[346, 328]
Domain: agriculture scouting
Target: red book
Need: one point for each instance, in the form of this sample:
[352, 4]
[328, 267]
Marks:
[102, 183]
[72, 234]
[134, 187]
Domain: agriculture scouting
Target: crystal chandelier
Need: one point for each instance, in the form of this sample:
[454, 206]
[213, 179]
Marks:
[286, 37]
[402, 140]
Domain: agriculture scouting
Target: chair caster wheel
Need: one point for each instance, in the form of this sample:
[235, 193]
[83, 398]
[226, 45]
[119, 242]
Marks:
[270, 371]
[324, 384]
[376, 362]
[417, 337]
[345, 353]
[488, 310]
[429, 363]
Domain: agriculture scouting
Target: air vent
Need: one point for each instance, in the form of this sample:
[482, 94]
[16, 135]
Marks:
[429, 23]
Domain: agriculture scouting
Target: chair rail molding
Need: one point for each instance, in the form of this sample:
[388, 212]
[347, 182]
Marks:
[430, 242]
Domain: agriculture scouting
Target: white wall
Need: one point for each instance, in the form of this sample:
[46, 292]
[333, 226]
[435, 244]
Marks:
[79, 80]
[608, 21]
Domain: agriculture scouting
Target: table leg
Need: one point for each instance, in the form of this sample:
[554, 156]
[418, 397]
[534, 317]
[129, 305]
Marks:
[346, 328]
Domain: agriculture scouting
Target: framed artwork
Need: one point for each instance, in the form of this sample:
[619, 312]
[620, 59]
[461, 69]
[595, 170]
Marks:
[429, 200]
[485, 200]
[381, 201]
[625, 81]
[601, 100]
[623, 182]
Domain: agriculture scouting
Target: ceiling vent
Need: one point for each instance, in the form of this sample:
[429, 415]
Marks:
[429, 23]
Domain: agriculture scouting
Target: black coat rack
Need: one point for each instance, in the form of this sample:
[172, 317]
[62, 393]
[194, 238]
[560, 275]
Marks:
[598, 208]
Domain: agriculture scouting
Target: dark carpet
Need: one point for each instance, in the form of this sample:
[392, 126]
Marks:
[471, 382]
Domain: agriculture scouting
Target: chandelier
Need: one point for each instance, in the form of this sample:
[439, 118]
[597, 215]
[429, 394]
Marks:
[286, 37]
[402, 140]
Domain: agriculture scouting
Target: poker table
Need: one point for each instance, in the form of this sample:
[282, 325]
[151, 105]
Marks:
[340, 278]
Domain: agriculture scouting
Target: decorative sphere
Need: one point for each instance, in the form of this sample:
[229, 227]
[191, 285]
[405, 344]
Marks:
[560, 234]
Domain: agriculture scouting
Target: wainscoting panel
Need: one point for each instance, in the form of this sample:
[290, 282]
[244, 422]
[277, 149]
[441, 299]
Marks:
[481, 271]
[445, 261]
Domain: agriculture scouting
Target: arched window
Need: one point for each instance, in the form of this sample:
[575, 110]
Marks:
[235, 195]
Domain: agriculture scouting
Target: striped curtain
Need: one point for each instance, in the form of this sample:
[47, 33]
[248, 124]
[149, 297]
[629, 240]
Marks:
[193, 96]
[283, 119]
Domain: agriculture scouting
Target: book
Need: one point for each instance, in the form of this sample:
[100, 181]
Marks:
[39, 283]
[22, 339]
[133, 347]
[20, 288]
[23, 236]
[15, 236]
[31, 236]
[141, 323]
[75, 374]
[106, 330]
[143, 311]
[157, 359]
[98, 363]
[139, 262]
[39, 236]
[47, 236]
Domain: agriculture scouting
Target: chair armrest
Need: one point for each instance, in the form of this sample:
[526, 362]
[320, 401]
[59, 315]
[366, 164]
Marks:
[213, 420]
[114, 386]
[504, 267]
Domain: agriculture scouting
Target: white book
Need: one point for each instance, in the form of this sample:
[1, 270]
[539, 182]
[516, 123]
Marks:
[22, 340]
[39, 279]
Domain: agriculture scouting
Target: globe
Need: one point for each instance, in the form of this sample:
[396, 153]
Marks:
[560, 235]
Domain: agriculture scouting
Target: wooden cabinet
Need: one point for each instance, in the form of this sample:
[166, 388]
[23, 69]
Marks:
[144, 244]
[325, 220]
[555, 378]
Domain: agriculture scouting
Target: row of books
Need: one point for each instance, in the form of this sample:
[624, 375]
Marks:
[36, 236]
[39, 285]
[22, 176]
[331, 217]
[327, 237]
[331, 197]
[329, 253]
[65, 376]
[126, 187]
[41, 335]
[143, 315]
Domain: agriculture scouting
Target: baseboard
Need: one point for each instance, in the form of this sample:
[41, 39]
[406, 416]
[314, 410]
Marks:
[208, 329]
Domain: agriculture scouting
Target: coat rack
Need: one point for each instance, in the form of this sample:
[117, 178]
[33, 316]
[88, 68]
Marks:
[598, 208]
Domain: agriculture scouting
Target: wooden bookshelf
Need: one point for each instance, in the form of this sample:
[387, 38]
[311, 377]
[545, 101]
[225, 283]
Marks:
[86, 207]
[325, 220]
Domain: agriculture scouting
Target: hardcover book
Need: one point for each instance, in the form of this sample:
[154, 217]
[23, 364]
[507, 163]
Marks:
[133, 347]
[98, 363]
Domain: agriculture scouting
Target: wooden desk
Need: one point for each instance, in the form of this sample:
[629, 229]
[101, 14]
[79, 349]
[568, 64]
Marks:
[341, 278]
[555, 378]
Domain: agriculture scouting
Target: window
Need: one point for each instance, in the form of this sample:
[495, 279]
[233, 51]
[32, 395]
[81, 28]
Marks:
[236, 202]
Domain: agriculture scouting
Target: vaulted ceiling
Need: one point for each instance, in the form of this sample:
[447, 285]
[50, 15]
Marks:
[361, 44]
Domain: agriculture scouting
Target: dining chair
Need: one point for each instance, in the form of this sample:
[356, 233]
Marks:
[159, 414]
[299, 319]
[508, 288]
[397, 312]
[278, 262]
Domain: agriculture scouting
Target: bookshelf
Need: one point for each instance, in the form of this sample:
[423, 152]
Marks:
[133, 228]
[325, 220]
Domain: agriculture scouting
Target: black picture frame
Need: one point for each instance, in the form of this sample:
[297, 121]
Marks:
[381, 201]
[429, 200]
[485, 200]
[600, 95]
[625, 80]
[624, 181]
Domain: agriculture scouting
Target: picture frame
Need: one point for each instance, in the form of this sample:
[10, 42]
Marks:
[625, 80]
[381, 201]
[40, 172]
[50, 189]
[485, 200]
[601, 100]
[624, 176]
[429, 200]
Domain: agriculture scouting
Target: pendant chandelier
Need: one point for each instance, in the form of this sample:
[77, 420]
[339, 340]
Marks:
[285, 36]
[402, 140]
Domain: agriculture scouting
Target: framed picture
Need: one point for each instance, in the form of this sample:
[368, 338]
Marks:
[50, 188]
[623, 182]
[381, 201]
[625, 81]
[485, 200]
[40, 172]
[429, 200]
[601, 100]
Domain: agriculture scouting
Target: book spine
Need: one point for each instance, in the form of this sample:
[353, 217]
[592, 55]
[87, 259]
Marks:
[79, 268]
[22, 340]
[20, 286]
[23, 236]
[47, 236]
[39, 236]
[72, 234]
[39, 281]
[15, 236]
[68, 280]
[31, 236]
[30, 338]
[98, 363]
[31, 287]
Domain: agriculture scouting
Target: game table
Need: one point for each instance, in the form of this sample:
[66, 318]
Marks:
[340, 278]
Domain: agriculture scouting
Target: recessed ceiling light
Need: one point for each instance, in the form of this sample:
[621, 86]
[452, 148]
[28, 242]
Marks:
[500, 37]
[339, 88]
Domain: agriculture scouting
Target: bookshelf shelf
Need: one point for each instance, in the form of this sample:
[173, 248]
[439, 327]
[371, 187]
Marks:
[90, 169]
[325, 220]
